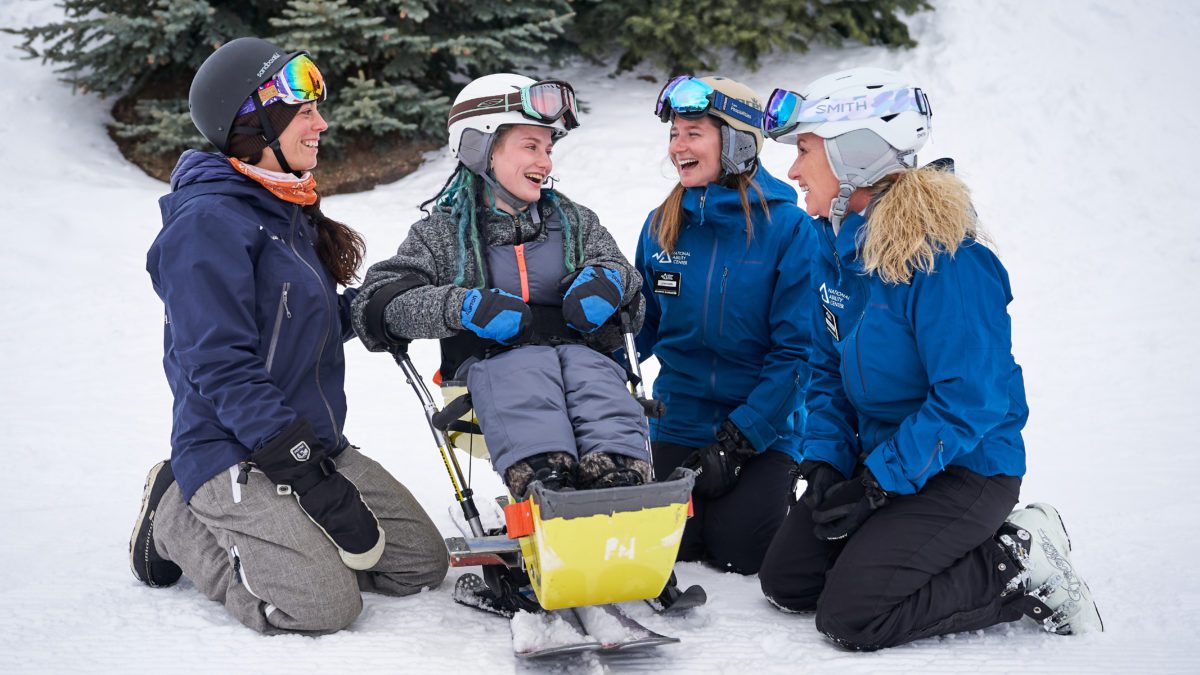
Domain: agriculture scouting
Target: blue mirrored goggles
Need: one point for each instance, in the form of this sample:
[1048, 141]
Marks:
[787, 110]
[690, 98]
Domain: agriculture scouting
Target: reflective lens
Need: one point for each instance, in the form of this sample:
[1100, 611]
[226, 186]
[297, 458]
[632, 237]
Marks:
[780, 108]
[690, 96]
[661, 108]
[550, 100]
[299, 81]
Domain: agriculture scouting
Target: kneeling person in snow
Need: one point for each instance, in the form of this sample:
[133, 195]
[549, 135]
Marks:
[912, 453]
[264, 504]
[523, 287]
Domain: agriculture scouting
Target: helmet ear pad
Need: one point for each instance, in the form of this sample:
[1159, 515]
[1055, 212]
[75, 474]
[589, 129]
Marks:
[861, 157]
[475, 150]
[739, 149]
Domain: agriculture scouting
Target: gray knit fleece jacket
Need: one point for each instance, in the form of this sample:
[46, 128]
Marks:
[430, 252]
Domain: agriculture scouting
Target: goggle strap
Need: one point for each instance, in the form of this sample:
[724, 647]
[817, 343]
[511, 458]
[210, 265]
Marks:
[486, 106]
[735, 108]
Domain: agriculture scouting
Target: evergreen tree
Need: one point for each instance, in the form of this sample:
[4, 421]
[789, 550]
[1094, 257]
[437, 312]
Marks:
[689, 37]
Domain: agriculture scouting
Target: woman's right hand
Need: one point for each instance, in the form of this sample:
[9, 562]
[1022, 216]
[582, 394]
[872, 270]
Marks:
[820, 476]
[496, 315]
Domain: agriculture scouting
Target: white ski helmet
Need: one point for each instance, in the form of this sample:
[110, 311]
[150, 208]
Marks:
[873, 121]
[472, 133]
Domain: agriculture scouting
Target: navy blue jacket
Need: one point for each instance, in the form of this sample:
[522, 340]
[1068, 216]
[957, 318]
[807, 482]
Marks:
[915, 376]
[733, 336]
[254, 323]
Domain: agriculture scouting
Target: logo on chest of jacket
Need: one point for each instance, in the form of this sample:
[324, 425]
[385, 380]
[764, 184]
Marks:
[301, 451]
[672, 257]
[833, 297]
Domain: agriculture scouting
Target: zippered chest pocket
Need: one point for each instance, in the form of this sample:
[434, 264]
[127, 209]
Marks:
[282, 314]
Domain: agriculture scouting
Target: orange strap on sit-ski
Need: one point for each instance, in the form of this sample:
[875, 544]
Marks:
[518, 519]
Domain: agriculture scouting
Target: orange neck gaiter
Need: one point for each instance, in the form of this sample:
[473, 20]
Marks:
[301, 190]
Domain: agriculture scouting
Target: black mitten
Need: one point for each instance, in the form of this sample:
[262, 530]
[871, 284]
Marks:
[718, 464]
[299, 465]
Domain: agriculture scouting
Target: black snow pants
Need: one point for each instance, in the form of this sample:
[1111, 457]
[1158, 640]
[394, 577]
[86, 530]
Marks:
[925, 564]
[733, 531]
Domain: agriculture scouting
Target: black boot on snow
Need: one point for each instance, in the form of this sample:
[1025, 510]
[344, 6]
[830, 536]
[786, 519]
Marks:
[554, 470]
[673, 601]
[148, 566]
[605, 470]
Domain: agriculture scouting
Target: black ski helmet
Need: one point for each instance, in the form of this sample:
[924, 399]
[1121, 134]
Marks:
[226, 79]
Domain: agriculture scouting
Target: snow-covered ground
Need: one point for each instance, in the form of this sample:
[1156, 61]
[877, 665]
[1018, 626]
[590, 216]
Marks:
[1075, 123]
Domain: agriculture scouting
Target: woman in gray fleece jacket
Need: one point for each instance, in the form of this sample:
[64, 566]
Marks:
[523, 288]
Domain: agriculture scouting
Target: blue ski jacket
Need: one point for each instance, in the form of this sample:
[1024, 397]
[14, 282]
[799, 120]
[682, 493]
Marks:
[729, 319]
[913, 377]
[254, 323]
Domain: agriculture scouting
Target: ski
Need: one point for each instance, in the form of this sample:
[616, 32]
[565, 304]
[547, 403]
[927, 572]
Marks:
[538, 635]
[617, 631]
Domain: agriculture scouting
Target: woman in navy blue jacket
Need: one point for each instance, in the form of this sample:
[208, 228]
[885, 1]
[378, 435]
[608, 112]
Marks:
[264, 504]
[913, 453]
[724, 261]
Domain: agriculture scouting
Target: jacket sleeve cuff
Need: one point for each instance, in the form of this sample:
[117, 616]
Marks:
[452, 310]
[884, 462]
[752, 425]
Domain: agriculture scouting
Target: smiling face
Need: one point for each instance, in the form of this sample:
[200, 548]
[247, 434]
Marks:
[812, 172]
[521, 161]
[695, 150]
[298, 141]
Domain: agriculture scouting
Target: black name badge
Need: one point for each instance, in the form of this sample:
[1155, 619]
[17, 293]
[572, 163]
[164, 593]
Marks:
[831, 322]
[667, 283]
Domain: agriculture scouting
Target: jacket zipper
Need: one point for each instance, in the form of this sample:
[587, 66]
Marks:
[721, 320]
[937, 452]
[279, 314]
[328, 325]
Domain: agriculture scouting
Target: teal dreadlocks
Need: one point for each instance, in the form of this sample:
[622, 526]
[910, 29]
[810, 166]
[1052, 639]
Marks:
[459, 197]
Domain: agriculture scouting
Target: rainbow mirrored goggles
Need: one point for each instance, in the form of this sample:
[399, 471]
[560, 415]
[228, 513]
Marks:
[298, 81]
[787, 110]
[690, 98]
[546, 101]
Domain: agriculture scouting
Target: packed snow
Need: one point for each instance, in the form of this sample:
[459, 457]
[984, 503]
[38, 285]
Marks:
[1073, 121]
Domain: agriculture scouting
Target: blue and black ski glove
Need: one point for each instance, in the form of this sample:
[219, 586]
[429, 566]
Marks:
[593, 297]
[496, 315]
[847, 505]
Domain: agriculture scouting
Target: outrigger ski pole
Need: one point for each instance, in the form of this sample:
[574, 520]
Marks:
[462, 490]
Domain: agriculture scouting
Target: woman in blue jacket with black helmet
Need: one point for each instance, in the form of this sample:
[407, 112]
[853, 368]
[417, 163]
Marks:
[913, 454]
[726, 276]
[264, 504]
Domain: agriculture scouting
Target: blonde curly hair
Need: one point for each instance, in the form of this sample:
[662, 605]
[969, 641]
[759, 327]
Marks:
[915, 214]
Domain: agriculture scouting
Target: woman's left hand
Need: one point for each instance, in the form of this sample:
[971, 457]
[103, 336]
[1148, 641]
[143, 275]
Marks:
[593, 297]
[847, 506]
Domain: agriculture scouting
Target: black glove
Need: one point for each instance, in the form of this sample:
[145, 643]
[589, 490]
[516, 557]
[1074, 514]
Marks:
[718, 464]
[298, 464]
[593, 297]
[820, 476]
[847, 505]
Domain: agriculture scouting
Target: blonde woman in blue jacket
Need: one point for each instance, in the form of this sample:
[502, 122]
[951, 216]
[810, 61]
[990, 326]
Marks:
[913, 454]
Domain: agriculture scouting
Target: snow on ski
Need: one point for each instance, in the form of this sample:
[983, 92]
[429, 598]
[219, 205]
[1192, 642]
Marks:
[543, 634]
[618, 631]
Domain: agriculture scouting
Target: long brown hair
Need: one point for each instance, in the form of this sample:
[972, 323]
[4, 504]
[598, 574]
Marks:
[916, 214]
[668, 217]
[340, 249]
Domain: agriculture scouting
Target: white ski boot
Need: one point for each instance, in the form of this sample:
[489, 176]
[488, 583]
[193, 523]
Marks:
[1054, 594]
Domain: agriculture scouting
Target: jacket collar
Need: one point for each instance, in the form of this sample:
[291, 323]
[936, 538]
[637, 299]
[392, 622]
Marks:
[722, 206]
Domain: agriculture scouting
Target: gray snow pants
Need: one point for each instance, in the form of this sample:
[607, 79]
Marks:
[259, 554]
[565, 398]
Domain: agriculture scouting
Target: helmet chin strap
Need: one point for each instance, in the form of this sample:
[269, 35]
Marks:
[502, 193]
[269, 135]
